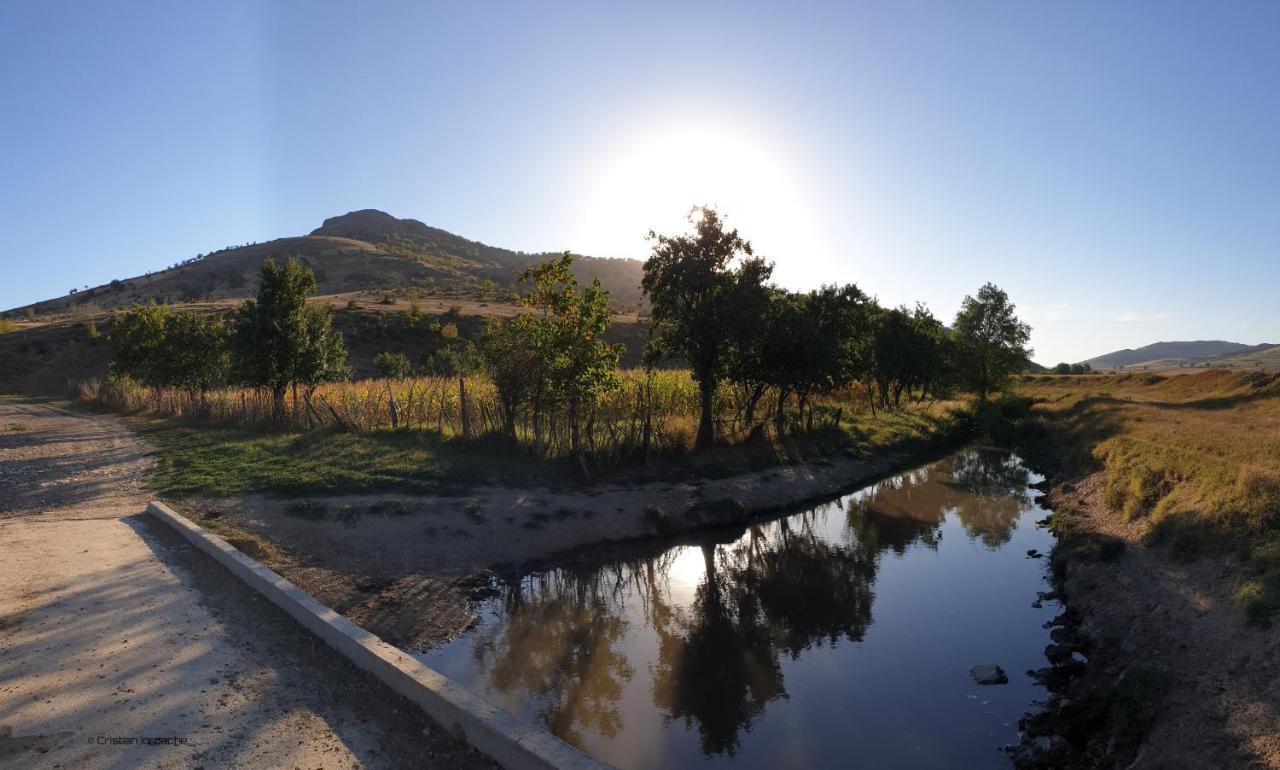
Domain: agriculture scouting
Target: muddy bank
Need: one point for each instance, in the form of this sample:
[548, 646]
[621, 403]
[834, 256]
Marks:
[407, 567]
[1156, 667]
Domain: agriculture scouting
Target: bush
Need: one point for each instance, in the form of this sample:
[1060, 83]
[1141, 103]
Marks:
[392, 365]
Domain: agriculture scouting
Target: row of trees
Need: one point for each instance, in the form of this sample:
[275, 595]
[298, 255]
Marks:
[275, 342]
[1065, 368]
[713, 307]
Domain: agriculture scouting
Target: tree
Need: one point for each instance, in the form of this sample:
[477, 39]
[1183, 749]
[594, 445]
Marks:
[991, 341]
[557, 355]
[391, 365]
[281, 341]
[138, 344]
[514, 365]
[812, 343]
[162, 349]
[697, 295]
[197, 350]
[579, 363]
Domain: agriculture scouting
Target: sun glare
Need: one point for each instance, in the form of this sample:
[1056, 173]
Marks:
[652, 180]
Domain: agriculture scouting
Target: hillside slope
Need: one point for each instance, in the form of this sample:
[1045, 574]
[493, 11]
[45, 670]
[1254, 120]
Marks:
[364, 250]
[1167, 354]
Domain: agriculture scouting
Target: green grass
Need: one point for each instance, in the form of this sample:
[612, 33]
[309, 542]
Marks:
[225, 462]
[218, 461]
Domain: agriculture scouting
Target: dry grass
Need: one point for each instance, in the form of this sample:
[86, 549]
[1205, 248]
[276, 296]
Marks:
[1195, 456]
[425, 415]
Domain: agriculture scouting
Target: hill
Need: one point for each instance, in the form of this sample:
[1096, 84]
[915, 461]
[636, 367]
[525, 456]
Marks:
[360, 251]
[1168, 355]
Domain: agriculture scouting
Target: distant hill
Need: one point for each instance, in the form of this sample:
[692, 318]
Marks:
[360, 251]
[1164, 355]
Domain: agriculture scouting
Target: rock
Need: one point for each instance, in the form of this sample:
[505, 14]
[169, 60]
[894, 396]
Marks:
[1033, 553]
[988, 673]
[1057, 653]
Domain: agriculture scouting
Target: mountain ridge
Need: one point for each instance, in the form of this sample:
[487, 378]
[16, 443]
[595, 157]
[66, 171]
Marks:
[363, 250]
[1176, 352]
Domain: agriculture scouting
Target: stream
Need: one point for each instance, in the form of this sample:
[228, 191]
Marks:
[837, 636]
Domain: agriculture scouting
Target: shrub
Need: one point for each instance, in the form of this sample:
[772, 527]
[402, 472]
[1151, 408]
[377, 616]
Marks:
[391, 365]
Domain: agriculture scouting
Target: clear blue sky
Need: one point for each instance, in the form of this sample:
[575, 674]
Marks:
[1114, 166]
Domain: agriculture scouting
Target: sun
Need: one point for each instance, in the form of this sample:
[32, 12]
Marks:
[651, 180]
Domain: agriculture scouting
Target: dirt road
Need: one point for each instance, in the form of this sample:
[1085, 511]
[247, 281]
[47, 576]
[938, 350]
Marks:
[122, 647]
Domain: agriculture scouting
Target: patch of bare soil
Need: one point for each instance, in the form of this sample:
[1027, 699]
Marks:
[1175, 677]
[407, 567]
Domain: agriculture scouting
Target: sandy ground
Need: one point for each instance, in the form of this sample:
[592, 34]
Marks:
[123, 647]
[406, 567]
[1223, 707]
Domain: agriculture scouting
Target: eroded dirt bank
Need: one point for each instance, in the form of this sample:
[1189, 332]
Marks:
[1175, 678]
[406, 567]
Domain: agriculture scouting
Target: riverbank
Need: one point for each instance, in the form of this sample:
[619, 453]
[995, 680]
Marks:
[408, 567]
[1164, 530]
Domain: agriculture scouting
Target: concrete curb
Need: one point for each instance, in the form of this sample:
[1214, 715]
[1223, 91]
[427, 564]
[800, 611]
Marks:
[490, 730]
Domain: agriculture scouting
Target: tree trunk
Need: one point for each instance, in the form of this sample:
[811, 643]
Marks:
[462, 407]
[756, 394]
[277, 405]
[648, 416]
[706, 423]
[575, 434]
[779, 425]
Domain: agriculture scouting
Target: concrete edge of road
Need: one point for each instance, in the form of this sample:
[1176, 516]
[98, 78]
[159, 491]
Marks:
[489, 729]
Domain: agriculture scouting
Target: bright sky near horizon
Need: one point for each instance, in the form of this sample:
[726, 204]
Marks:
[1114, 166]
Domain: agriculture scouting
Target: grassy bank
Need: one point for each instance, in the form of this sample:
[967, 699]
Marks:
[209, 460]
[1194, 459]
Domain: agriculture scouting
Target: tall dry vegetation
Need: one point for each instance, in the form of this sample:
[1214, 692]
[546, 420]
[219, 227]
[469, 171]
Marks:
[1196, 457]
[547, 382]
[664, 404]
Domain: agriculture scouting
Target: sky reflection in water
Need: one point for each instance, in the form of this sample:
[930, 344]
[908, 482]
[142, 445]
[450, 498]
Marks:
[839, 636]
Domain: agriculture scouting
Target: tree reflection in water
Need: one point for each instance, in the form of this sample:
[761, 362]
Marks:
[779, 588]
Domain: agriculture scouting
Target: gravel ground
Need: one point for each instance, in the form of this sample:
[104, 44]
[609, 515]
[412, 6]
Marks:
[121, 646]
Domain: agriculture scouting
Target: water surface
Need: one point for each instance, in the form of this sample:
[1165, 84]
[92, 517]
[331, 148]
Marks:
[839, 636]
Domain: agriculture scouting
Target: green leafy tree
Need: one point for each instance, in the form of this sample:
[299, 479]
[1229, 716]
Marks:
[197, 351]
[162, 349]
[514, 365]
[909, 354]
[281, 341]
[577, 361]
[138, 344]
[991, 341]
[698, 285]
[391, 365]
[815, 342]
